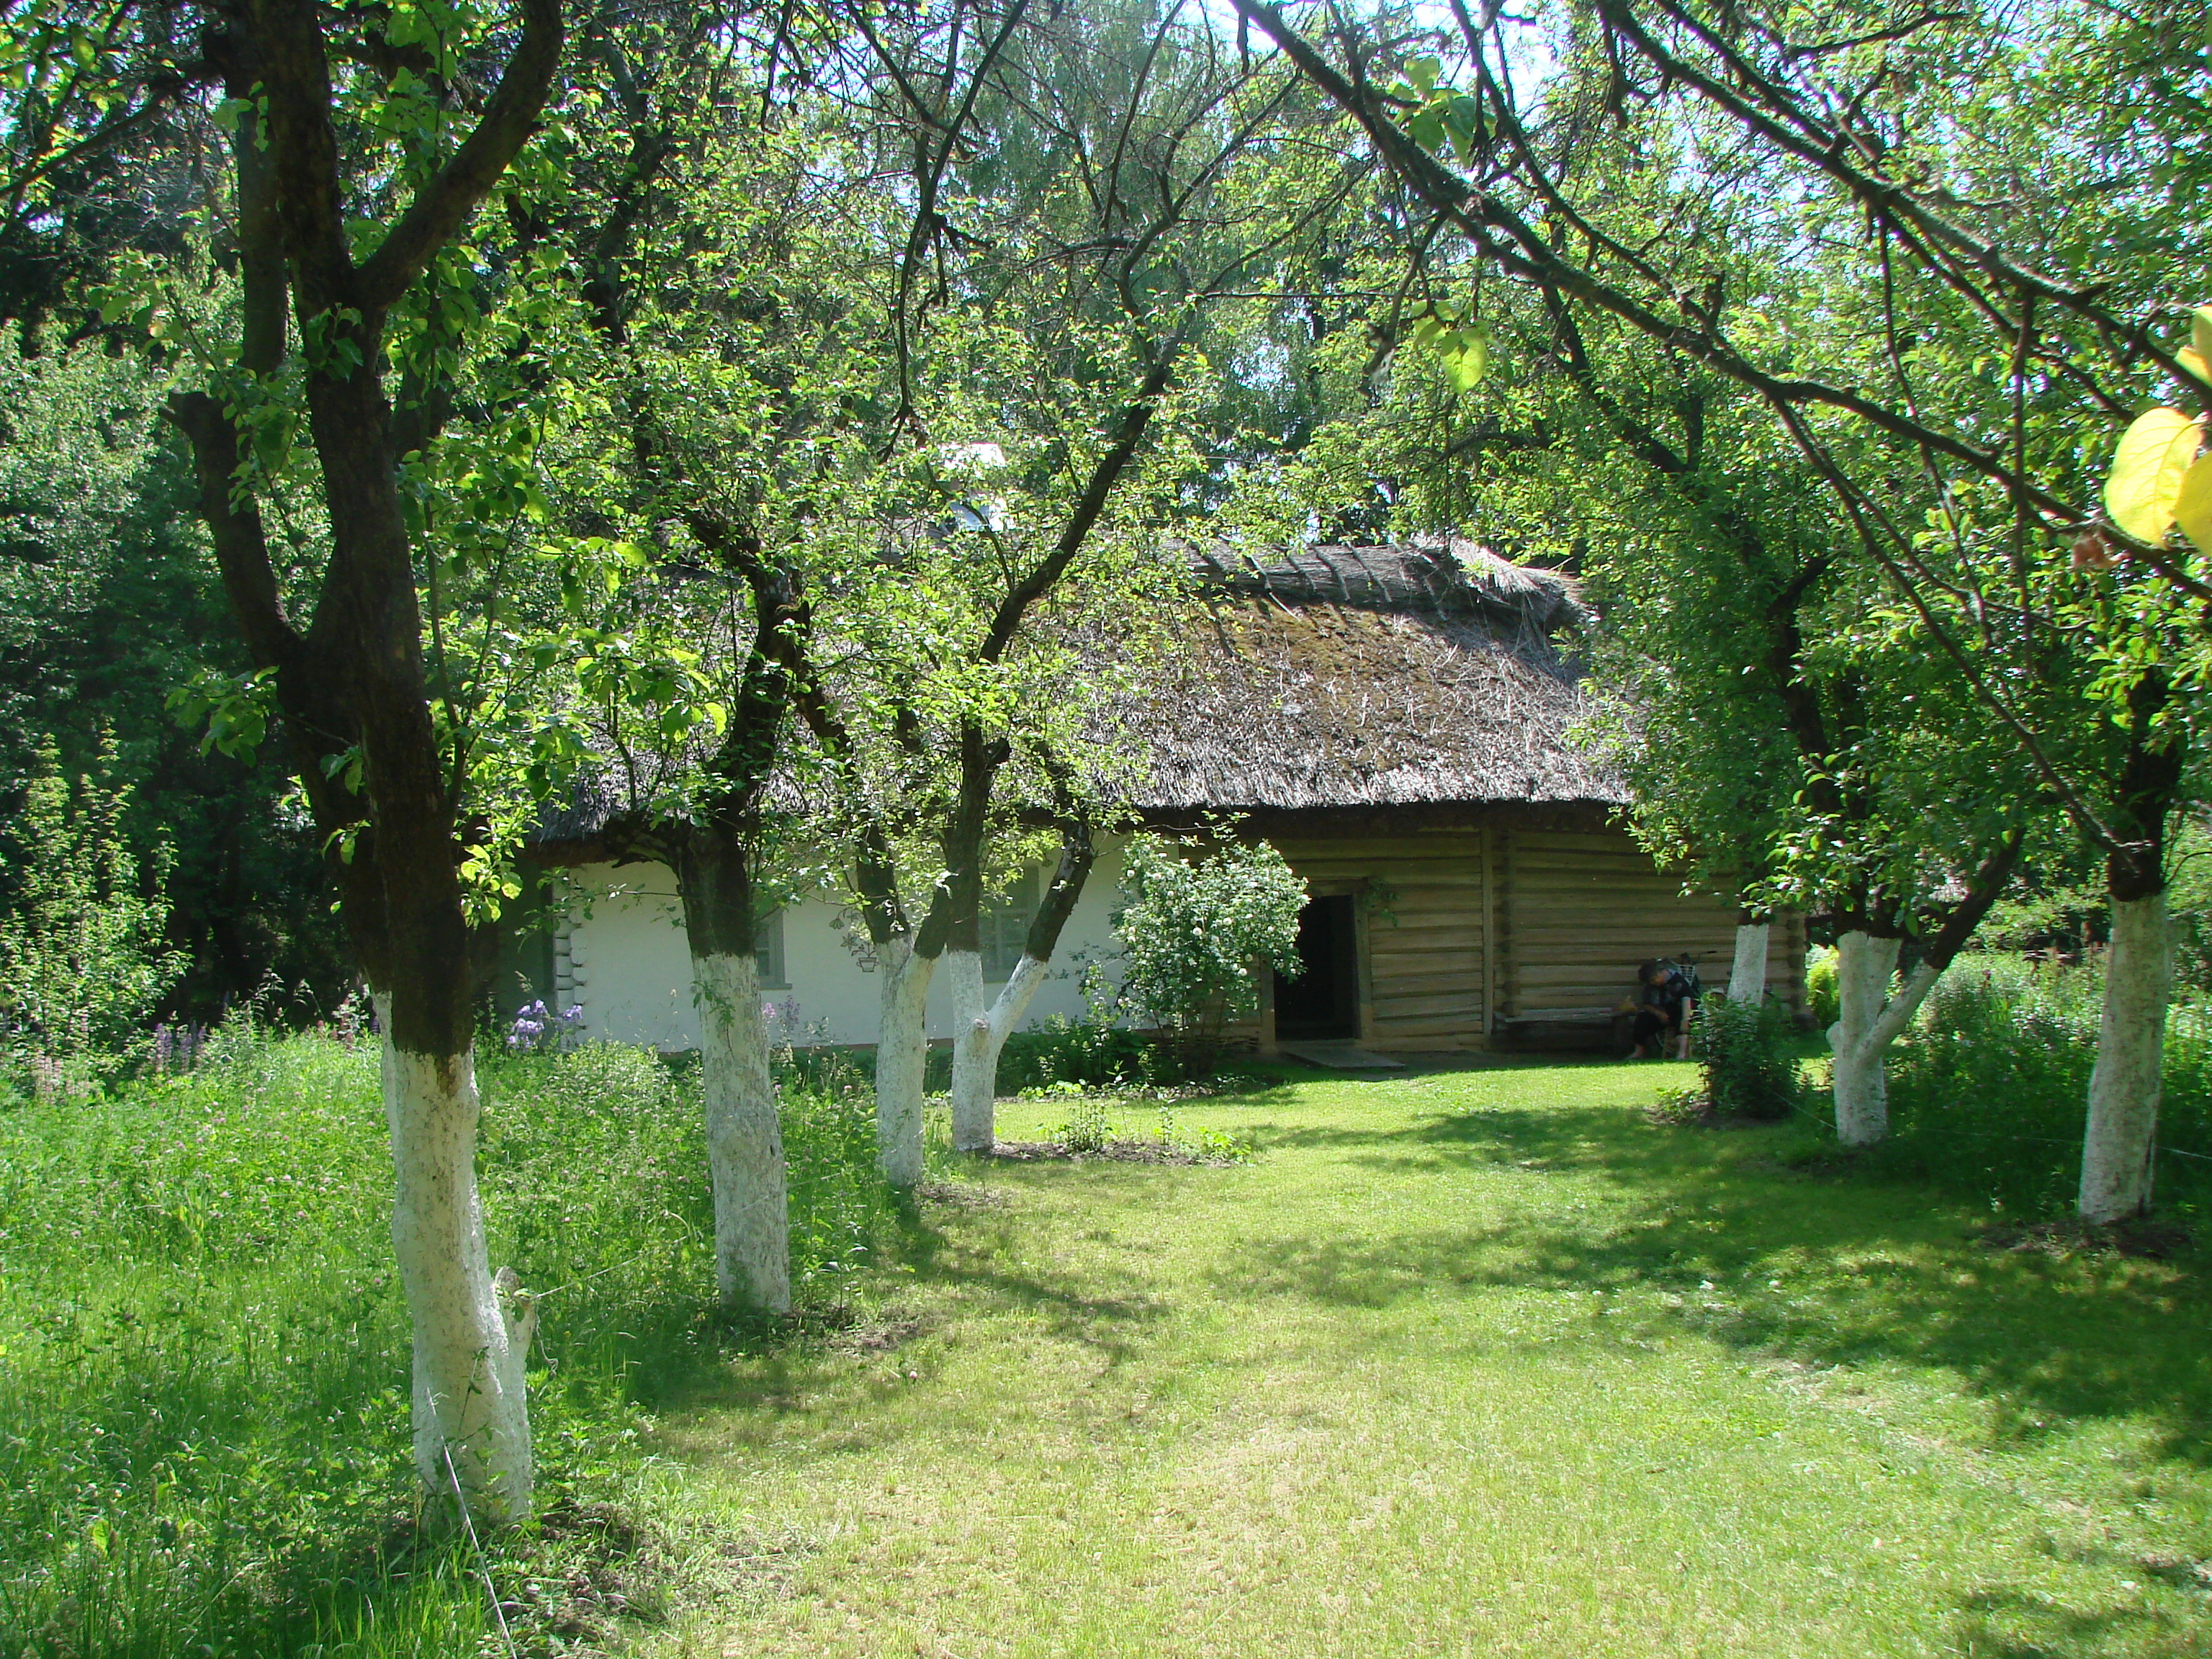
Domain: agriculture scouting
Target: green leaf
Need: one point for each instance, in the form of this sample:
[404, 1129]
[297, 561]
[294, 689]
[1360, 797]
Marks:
[1467, 357]
[2147, 471]
[2200, 333]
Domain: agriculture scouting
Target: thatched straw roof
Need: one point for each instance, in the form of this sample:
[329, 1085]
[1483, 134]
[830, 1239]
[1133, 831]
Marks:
[1360, 676]
[1421, 674]
[591, 805]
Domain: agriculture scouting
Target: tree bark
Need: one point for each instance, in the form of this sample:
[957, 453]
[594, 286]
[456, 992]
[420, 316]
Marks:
[2119, 1143]
[902, 1057]
[979, 1034]
[1871, 1018]
[1747, 974]
[744, 1139]
[472, 1331]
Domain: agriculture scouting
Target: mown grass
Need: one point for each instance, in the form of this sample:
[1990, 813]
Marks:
[1473, 1362]
[1463, 1361]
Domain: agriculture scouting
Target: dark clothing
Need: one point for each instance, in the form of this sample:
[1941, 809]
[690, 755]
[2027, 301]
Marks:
[1661, 1011]
[1667, 997]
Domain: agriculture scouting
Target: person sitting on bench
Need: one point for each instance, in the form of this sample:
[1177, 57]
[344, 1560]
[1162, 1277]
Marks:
[1663, 1010]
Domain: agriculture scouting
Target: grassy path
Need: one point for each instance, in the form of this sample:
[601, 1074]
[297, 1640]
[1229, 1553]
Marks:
[1471, 1362]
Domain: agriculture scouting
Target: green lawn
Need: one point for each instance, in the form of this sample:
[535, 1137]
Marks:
[1469, 1362]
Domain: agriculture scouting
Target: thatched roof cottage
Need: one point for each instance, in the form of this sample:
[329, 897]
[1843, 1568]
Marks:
[1397, 721]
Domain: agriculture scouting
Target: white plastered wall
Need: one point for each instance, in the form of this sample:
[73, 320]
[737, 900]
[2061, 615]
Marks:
[621, 954]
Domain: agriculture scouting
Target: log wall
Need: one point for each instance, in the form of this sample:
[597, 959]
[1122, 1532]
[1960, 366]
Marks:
[1582, 908]
[1463, 930]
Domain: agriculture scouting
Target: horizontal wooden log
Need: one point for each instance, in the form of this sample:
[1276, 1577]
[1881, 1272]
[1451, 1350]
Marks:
[1465, 981]
[1461, 845]
[1466, 1030]
[1402, 963]
[1625, 950]
[1432, 942]
[1570, 858]
[1535, 841]
[1353, 863]
[1425, 921]
[1406, 1007]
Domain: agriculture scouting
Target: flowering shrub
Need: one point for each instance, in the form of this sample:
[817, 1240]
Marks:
[1190, 931]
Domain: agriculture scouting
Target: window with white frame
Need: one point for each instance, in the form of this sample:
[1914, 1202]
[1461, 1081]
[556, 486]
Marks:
[1006, 927]
[768, 951]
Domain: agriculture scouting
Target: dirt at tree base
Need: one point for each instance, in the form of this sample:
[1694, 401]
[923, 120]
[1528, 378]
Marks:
[1118, 1151]
[2155, 1241]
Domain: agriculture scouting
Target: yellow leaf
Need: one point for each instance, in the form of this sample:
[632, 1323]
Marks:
[2195, 361]
[2145, 475]
[2200, 333]
[2192, 508]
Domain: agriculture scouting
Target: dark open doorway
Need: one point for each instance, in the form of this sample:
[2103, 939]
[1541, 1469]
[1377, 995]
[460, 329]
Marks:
[1323, 1001]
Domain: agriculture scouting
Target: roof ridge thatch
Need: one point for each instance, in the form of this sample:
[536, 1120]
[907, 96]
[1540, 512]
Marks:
[1443, 575]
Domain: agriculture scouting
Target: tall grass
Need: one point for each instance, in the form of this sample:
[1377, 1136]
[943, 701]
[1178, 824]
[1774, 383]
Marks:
[203, 1360]
[1988, 1095]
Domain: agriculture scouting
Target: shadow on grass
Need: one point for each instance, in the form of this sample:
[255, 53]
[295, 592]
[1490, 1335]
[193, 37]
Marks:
[1868, 1270]
[781, 1364]
[2020, 1624]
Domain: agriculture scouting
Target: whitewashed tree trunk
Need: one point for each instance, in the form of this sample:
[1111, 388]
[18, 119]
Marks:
[470, 1332]
[745, 1139]
[2124, 1086]
[979, 1033]
[1747, 974]
[1870, 1021]
[901, 1059]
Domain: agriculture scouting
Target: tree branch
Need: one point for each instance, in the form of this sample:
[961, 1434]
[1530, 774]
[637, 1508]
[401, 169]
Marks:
[469, 173]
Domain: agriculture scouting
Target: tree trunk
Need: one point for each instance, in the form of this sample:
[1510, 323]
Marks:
[471, 1418]
[2120, 1138]
[356, 678]
[1747, 974]
[2117, 1146]
[744, 1139]
[979, 1033]
[902, 1057]
[1870, 1020]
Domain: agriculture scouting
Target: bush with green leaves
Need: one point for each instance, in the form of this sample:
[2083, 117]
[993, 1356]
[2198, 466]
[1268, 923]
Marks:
[1093, 1053]
[1747, 1054]
[1191, 928]
[1821, 999]
[83, 959]
[1987, 1095]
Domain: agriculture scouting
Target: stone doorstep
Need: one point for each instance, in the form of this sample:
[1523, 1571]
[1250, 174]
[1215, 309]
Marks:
[1341, 1056]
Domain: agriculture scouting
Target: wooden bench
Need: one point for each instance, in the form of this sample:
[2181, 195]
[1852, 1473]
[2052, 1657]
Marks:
[1563, 1028]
